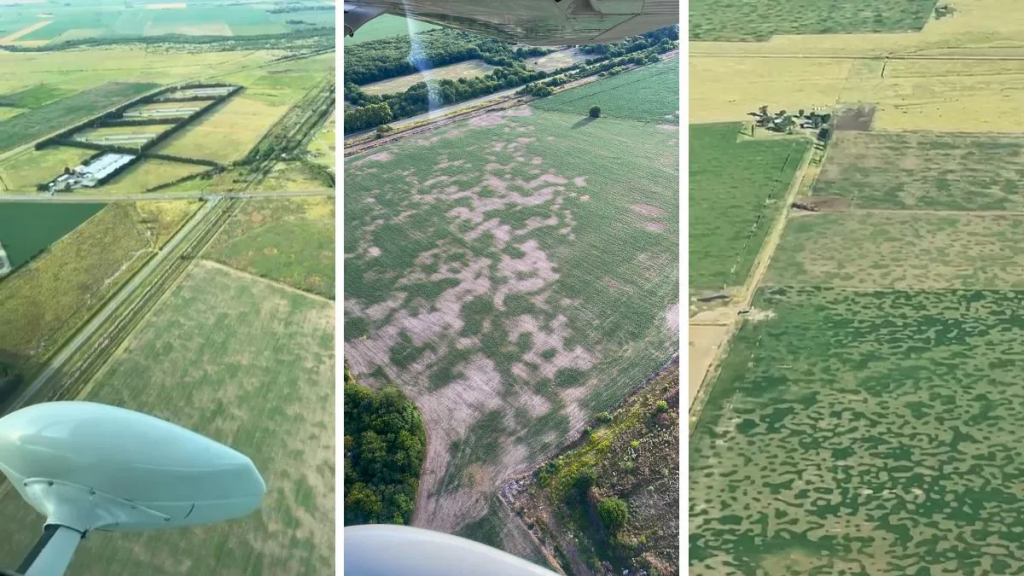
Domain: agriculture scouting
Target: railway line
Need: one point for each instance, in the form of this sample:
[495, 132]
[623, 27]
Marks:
[71, 369]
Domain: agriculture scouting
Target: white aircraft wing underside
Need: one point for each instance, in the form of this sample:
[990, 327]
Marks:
[538, 22]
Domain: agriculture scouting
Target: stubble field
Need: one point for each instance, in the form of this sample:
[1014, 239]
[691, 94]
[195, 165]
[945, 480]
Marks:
[515, 274]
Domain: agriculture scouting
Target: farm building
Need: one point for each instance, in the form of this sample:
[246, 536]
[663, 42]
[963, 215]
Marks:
[92, 174]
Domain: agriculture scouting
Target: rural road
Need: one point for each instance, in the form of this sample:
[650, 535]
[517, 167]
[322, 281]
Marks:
[78, 198]
[86, 332]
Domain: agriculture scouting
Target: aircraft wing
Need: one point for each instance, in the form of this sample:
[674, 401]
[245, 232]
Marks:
[536, 22]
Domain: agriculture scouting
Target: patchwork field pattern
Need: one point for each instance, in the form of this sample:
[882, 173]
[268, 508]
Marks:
[644, 94]
[856, 430]
[288, 240]
[267, 391]
[736, 189]
[52, 117]
[863, 421]
[734, 20]
[933, 171]
[515, 274]
[28, 229]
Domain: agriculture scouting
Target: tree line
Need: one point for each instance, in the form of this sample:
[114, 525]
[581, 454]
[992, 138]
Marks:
[375, 110]
[403, 55]
[385, 446]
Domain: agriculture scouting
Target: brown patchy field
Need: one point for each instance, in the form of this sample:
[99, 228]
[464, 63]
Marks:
[514, 274]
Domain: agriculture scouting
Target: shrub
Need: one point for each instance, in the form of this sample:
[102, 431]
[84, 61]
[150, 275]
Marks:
[662, 406]
[613, 512]
[595, 111]
[603, 417]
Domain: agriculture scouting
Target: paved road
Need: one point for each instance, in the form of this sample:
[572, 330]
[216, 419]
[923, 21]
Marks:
[86, 197]
[108, 309]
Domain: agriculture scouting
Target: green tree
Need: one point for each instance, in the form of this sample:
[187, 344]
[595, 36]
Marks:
[595, 111]
[613, 512]
[385, 445]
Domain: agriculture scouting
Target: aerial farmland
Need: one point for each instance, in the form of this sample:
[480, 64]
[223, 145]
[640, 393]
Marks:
[167, 245]
[515, 274]
[858, 381]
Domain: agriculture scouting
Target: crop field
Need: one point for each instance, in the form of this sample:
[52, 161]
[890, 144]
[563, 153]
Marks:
[933, 171]
[514, 273]
[468, 69]
[117, 21]
[650, 93]
[739, 20]
[865, 409]
[288, 240]
[149, 173]
[882, 421]
[35, 124]
[906, 251]
[48, 299]
[386, 26]
[21, 172]
[735, 193]
[28, 229]
[267, 391]
[80, 70]
[33, 96]
[226, 134]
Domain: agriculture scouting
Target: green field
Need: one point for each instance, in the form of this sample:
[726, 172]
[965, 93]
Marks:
[387, 26]
[649, 93]
[514, 274]
[116, 21]
[857, 432]
[33, 97]
[746, 20]
[289, 240]
[735, 193]
[964, 171]
[42, 121]
[248, 364]
[28, 229]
